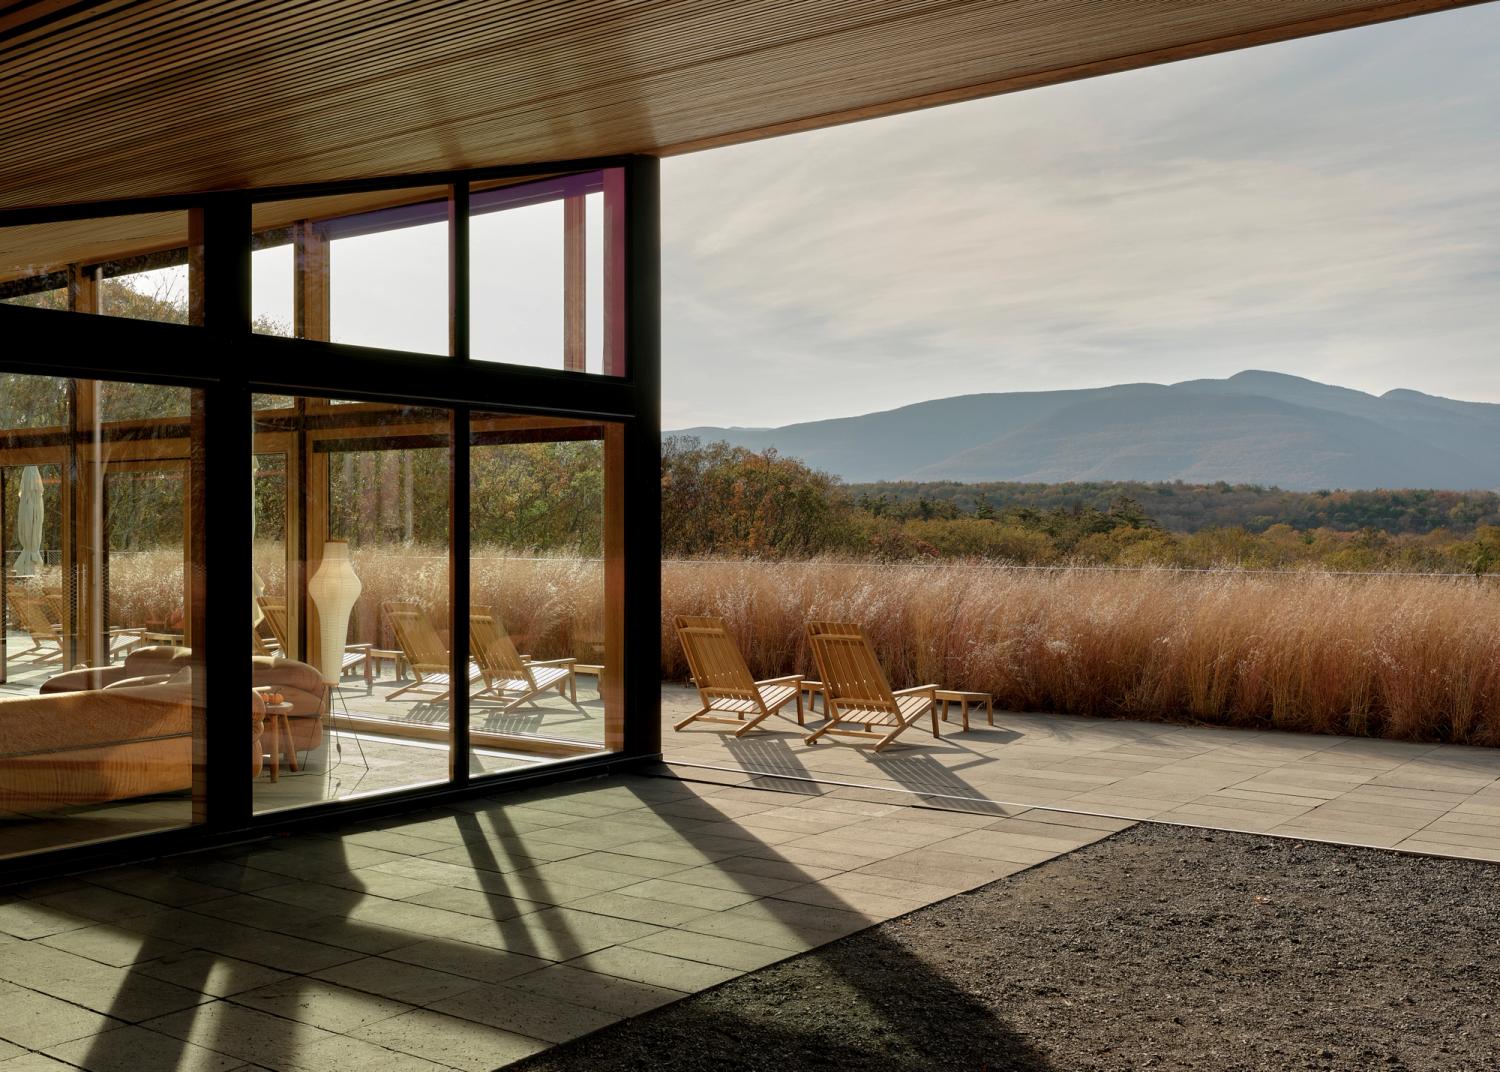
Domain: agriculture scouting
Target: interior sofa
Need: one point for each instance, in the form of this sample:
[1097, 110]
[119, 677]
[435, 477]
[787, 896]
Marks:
[112, 733]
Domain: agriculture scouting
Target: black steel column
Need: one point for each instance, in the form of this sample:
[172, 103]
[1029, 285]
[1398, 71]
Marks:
[221, 488]
[643, 458]
[458, 498]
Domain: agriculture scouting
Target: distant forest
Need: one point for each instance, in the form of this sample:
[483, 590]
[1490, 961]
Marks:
[725, 501]
[1179, 507]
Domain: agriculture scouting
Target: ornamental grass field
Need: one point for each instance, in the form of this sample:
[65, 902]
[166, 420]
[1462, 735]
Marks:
[1414, 657]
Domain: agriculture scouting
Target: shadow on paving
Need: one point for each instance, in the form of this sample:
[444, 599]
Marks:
[1158, 948]
[471, 935]
[861, 1003]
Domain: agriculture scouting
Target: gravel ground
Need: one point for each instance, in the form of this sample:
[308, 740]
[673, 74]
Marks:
[1159, 948]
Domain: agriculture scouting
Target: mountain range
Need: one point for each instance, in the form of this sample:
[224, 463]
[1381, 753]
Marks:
[1253, 428]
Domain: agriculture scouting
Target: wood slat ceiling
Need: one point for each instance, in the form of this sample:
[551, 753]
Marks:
[108, 99]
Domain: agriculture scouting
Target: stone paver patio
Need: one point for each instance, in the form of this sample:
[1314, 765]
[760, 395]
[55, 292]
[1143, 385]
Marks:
[1431, 798]
[468, 937]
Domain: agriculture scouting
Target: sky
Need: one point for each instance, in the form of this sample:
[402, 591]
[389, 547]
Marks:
[1328, 207]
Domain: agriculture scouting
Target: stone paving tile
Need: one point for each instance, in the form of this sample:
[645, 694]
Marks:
[523, 1013]
[594, 990]
[735, 953]
[26, 920]
[111, 945]
[643, 966]
[450, 1041]
[211, 973]
[36, 1021]
[705, 898]
[397, 980]
[33, 1062]
[134, 1049]
[477, 902]
[155, 886]
[323, 1004]
[467, 960]
[100, 904]
[249, 1034]
[341, 1052]
[660, 913]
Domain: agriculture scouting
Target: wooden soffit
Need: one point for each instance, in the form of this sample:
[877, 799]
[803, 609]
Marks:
[106, 99]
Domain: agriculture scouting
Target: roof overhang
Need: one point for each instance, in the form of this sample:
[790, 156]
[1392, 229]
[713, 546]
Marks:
[111, 99]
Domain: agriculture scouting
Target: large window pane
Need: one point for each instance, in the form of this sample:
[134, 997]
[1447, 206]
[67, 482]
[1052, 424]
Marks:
[542, 557]
[545, 278]
[351, 595]
[97, 697]
[369, 269]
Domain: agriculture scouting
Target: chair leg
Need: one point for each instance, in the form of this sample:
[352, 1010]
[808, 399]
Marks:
[828, 724]
[756, 721]
[403, 688]
[690, 718]
[800, 722]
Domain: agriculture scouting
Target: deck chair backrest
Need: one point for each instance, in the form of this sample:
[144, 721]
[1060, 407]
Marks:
[35, 617]
[492, 648]
[275, 612]
[713, 657]
[416, 637]
[851, 674]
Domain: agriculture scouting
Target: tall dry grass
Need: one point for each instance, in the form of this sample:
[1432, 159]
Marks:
[553, 605]
[1408, 657]
[1413, 657]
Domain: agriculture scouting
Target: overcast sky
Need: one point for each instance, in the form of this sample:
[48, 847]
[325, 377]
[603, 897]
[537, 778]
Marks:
[1327, 207]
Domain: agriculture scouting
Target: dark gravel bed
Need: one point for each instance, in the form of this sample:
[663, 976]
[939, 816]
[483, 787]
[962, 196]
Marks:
[1159, 948]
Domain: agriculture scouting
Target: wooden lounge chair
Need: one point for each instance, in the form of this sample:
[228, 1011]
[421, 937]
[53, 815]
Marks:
[508, 677]
[355, 655]
[34, 616]
[858, 697]
[423, 649]
[725, 688]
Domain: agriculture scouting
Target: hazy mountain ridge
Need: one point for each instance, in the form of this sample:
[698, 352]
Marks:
[1254, 427]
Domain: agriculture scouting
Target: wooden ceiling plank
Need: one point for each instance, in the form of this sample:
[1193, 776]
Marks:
[245, 102]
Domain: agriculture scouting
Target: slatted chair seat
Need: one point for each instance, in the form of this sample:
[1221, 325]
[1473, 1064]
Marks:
[726, 689]
[509, 677]
[858, 698]
[423, 649]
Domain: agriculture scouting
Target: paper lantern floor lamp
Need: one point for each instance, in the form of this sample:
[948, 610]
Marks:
[334, 589]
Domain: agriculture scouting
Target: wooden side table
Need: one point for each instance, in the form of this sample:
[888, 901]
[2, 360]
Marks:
[279, 730]
[964, 699]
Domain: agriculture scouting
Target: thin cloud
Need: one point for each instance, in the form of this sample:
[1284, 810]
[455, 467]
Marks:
[1326, 207]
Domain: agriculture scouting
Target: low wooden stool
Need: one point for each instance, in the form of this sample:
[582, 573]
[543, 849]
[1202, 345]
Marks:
[814, 689]
[963, 699]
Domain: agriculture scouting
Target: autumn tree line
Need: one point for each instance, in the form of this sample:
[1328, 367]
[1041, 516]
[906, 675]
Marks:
[720, 500]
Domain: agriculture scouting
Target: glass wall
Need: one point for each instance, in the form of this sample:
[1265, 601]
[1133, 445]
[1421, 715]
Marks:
[393, 610]
[352, 604]
[546, 272]
[368, 269]
[541, 556]
[97, 691]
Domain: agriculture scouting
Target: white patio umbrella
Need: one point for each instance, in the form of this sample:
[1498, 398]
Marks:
[29, 523]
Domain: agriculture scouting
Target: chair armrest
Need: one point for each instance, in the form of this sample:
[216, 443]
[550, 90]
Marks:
[362, 648]
[790, 679]
[552, 662]
[916, 690]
